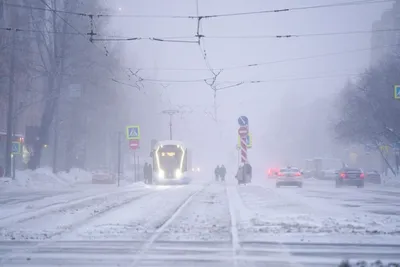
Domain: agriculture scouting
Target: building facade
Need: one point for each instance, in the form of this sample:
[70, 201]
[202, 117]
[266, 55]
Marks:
[383, 42]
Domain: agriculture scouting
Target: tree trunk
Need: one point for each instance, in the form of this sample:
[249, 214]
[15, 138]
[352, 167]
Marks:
[54, 88]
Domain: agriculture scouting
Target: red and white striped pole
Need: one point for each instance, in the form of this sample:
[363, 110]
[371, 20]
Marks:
[243, 133]
[243, 146]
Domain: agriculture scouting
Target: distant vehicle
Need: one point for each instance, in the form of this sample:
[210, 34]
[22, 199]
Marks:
[308, 171]
[103, 177]
[351, 177]
[196, 169]
[326, 168]
[373, 176]
[170, 163]
[272, 172]
[289, 176]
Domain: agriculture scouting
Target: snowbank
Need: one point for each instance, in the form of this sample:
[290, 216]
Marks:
[391, 180]
[43, 178]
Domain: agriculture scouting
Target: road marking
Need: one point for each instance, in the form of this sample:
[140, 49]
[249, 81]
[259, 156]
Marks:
[234, 231]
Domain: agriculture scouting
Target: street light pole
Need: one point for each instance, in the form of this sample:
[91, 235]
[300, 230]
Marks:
[170, 113]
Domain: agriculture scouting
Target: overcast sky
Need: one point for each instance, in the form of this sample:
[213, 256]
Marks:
[257, 101]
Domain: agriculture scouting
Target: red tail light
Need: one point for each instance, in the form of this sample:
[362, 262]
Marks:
[298, 174]
[280, 174]
[362, 175]
[343, 175]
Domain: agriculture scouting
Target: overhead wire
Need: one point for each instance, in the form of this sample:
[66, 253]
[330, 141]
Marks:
[197, 16]
[238, 83]
[106, 50]
[281, 36]
[200, 36]
[351, 3]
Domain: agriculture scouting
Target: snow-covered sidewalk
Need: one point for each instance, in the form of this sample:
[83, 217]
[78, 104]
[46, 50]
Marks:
[287, 214]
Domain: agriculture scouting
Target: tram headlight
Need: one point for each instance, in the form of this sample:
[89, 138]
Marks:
[161, 174]
[178, 173]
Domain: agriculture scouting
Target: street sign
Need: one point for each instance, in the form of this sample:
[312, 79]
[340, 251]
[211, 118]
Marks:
[249, 140]
[243, 121]
[16, 148]
[133, 132]
[134, 144]
[243, 131]
[397, 91]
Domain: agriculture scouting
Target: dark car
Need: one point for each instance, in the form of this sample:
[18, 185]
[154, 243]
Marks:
[350, 176]
[373, 176]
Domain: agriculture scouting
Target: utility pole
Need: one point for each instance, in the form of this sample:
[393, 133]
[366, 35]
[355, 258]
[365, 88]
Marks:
[170, 112]
[215, 104]
[10, 110]
[119, 158]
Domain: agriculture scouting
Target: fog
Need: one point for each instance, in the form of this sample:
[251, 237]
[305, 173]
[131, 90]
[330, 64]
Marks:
[284, 70]
[288, 111]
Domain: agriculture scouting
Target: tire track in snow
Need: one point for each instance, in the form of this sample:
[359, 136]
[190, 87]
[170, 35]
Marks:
[82, 222]
[162, 227]
[101, 213]
[244, 208]
[236, 247]
[55, 207]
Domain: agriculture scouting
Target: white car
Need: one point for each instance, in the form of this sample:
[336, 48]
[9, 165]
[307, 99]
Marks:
[289, 177]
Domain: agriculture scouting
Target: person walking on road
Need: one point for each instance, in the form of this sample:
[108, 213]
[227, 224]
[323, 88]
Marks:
[248, 171]
[217, 173]
[240, 175]
[145, 172]
[150, 174]
[222, 172]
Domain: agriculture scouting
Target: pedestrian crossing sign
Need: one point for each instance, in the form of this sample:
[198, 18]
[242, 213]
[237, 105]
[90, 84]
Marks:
[16, 148]
[249, 141]
[397, 91]
[133, 132]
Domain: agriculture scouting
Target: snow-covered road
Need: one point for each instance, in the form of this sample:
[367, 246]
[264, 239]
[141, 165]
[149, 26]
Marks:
[201, 224]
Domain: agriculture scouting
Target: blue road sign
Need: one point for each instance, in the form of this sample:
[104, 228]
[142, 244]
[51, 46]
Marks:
[133, 132]
[397, 91]
[16, 148]
[243, 121]
[249, 141]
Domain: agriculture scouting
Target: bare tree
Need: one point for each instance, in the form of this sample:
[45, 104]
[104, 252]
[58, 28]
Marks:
[368, 105]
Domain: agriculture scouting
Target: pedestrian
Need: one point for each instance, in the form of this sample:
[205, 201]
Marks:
[150, 174]
[248, 171]
[223, 172]
[240, 175]
[145, 173]
[216, 172]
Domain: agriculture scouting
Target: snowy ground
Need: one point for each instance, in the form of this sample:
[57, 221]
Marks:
[201, 224]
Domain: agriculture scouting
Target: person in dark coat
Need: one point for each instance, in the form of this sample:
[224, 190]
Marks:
[145, 173]
[150, 174]
[248, 171]
[222, 172]
[217, 173]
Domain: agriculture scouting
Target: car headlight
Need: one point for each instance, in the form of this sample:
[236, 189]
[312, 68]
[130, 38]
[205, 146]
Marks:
[178, 173]
[161, 174]
[193, 169]
[198, 169]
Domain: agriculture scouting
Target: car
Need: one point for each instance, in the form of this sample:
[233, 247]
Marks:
[350, 177]
[272, 172]
[289, 176]
[373, 176]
